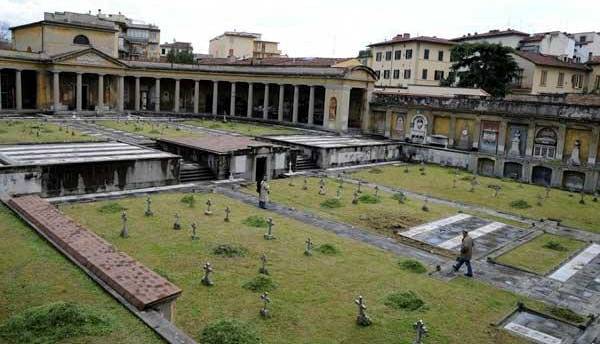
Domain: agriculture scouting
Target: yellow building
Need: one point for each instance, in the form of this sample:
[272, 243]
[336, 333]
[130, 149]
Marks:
[242, 45]
[404, 61]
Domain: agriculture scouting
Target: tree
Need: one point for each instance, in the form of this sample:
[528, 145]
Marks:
[483, 65]
[182, 57]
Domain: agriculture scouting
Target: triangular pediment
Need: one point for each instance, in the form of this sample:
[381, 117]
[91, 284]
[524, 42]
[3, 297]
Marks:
[88, 57]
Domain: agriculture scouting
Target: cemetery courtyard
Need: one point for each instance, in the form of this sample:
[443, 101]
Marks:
[312, 297]
[37, 131]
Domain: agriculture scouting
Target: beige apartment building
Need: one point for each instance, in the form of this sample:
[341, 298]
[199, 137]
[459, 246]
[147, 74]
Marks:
[406, 60]
[242, 45]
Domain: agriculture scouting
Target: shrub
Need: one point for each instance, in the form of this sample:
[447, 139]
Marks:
[376, 170]
[520, 204]
[229, 332]
[190, 200]
[230, 251]
[55, 322]
[111, 208]
[329, 249]
[412, 265]
[408, 301]
[255, 221]
[369, 199]
[260, 283]
[555, 245]
[332, 203]
[566, 314]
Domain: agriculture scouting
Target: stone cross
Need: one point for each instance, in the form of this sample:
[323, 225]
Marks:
[227, 211]
[454, 182]
[473, 183]
[322, 190]
[177, 223]
[362, 319]
[269, 235]
[401, 197]
[341, 180]
[124, 230]
[206, 278]
[425, 206]
[263, 265]
[148, 211]
[359, 185]
[376, 191]
[309, 247]
[355, 197]
[194, 237]
[547, 192]
[338, 192]
[264, 312]
[581, 200]
[305, 185]
[208, 210]
[420, 331]
[321, 182]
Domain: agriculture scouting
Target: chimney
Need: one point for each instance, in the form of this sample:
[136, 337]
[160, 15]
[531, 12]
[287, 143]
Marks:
[406, 35]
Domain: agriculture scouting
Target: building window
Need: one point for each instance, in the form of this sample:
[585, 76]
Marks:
[386, 74]
[81, 39]
[396, 73]
[397, 54]
[561, 79]
[582, 39]
[440, 55]
[407, 74]
[378, 56]
[408, 54]
[378, 74]
[577, 80]
[543, 78]
[424, 74]
[545, 143]
[163, 51]
[388, 55]
[426, 54]
[438, 75]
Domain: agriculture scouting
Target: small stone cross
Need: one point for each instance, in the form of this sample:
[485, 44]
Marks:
[338, 192]
[547, 192]
[321, 182]
[269, 235]
[341, 180]
[454, 182]
[208, 210]
[420, 331]
[194, 237]
[359, 185]
[305, 185]
[264, 312]
[581, 200]
[376, 191]
[309, 247]
[177, 223]
[362, 319]
[425, 206]
[206, 278]
[355, 197]
[124, 230]
[263, 265]
[227, 211]
[322, 190]
[148, 211]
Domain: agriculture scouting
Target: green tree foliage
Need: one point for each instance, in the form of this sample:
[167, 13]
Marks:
[182, 57]
[483, 65]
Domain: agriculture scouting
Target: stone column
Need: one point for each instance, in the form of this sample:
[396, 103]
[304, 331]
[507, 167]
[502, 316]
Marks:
[56, 90]
[137, 94]
[19, 92]
[79, 95]
[100, 92]
[560, 142]
[215, 97]
[232, 100]
[366, 109]
[593, 146]
[311, 106]
[281, 99]
[295, 108]
[502, 136]
[530, 139]
[157, 95]
[250, 100]
[120, 93]
[196, 95]
[328, 95]
[266, 102]
[176, 96]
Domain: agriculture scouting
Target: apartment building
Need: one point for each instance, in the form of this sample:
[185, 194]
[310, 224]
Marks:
[406, 60]
[177, 47]
[508, 38]
[587, 46]
[555, 43]
[241, 45]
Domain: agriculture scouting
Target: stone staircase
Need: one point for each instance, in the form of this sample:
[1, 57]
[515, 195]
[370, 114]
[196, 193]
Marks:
[304, 163]
[193, 172]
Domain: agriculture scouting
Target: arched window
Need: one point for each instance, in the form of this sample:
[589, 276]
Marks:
[81, 39]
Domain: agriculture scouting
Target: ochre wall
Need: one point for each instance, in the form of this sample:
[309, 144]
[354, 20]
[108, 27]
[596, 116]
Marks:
[58, 39]
[28, 38]
[583, 136]
[461, 123]
[441, 125]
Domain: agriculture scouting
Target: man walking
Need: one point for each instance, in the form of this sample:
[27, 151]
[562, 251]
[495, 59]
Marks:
[466, 252]
[263, 193]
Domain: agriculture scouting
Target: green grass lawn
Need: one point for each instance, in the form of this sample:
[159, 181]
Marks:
[33, 273]
[438, 182]
[250, 129]
[34, 131]
[151, 129]
[534, 256]
[383, 217]
[314, 302]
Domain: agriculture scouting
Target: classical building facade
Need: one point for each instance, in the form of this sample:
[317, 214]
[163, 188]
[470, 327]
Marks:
[241, 45]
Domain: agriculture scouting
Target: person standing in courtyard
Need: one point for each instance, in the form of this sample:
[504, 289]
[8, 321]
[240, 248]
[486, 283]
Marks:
[466, 253]
[263, 193]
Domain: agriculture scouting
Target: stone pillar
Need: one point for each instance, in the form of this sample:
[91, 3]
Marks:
[366, 110]
[295, 108]
[196, 95]
[250, 100]
[79, 95]
[328, 95]
[137, 94]
[157, 95]
[476, 133]
[281, 100]
[232, 100]
[56, 90]
[266, 102]
[530, 139]
[560, 142]
[502, 136]
[593, 146]
[452, 130]
[311, 106]
[19, 90]
[176, 96]
[120, 93]
[100, 92]
[215, 97]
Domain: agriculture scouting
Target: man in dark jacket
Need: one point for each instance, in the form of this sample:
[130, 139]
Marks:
[466, 253]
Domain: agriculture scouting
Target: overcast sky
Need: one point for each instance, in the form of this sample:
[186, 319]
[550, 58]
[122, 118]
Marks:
[327, 28]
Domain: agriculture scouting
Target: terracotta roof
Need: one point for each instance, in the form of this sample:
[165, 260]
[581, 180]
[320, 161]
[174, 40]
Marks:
[426, 39]
[549, 60]
[491, 33]
[218, 143]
